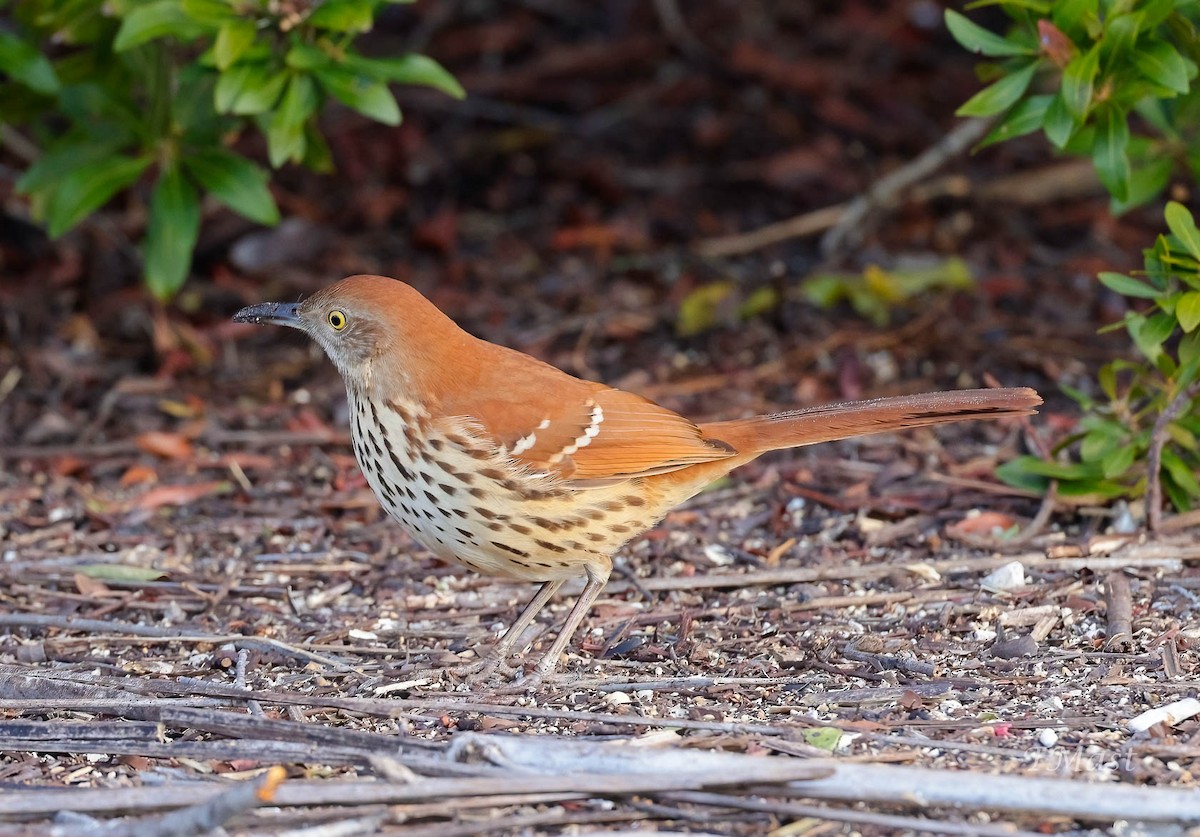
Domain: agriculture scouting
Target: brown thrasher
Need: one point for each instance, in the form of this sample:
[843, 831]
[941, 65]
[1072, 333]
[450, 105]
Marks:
[514, 468]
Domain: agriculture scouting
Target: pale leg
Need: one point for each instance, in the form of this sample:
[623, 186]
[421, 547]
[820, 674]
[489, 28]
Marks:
[500, 652]
[597, 578]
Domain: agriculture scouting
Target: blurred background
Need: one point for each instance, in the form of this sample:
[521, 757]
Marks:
[568, 206]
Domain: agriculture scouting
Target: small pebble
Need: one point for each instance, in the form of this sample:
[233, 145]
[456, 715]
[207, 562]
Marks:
[618, 698]
[1047, 737]
[1008, 577]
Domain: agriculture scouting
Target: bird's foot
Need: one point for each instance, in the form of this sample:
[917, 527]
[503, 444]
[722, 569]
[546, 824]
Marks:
[492, 676]
[482, 673]
[522, 685]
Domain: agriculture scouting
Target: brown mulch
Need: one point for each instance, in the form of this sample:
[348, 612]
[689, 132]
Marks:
[196, 584]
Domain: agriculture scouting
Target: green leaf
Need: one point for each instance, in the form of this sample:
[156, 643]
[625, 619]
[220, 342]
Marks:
[1156, 114]
[120, 572]
[1120, 34]
[23, 62]
[211, 13]
[299, 102]
[370, 98]
[1109, 153]
[1145, 184]
[1162, 64]
[1059, 124]
[149, 21]
[171, 234]
[342, 16]
[1058, 470]
[1025, 118]
[1079, 19]
[317, 155]
[1183, 476]
[1016, 473]
[1176, 495]
[1186, 374]
[67, 156]
[998, 97]
[1149, 333]
[1183, 227]
[285, 141]
[823, 738]
[302, 56]
[1183, 437]
[975, 38]
[1127, 285]
[1094, 489]
[1078, 80]
[234, 181]
[1157, 11]
[285, 132]
[408, 69]
[1189, 347]
[247, 89]
[1097, 446]
[233, 39]
[86, 189]
[1119, 461]
[1187, 310]
[1039, 7]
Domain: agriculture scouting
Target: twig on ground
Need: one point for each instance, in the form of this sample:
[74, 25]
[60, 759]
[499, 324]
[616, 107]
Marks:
[101, 626]
[750, 771]
[843, 220]
[200, 818]
[1158, 440]
[848, 229]
[894, 823]
[853, 782]
[1119, 599]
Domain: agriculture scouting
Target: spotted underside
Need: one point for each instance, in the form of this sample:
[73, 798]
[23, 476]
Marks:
[465, 497]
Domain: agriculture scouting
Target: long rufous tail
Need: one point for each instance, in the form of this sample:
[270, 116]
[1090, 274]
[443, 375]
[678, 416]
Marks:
[859, 418]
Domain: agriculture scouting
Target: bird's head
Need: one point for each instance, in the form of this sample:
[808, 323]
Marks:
[370, 327]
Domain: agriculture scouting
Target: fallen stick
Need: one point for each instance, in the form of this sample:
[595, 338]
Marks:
[861, 783]
[200, 818]
[751, 771]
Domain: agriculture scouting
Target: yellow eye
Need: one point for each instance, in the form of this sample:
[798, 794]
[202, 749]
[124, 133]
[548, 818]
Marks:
[337, 319]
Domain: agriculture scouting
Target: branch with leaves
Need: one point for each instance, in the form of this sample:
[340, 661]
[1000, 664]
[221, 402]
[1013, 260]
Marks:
[1079, 71]
[122, 94]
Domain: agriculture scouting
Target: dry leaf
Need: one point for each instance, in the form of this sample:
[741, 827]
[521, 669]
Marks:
[166, 445]
[178, 495]
[985, 524]
[91, 587]
[138, 474]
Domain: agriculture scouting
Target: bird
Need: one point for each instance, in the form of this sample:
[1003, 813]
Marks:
[506, 465]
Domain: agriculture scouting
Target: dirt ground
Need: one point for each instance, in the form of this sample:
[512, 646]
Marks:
[196, 583]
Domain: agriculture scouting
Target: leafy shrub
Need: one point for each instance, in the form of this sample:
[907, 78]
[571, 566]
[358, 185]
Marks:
[1115, 435]
[1078, 69]
[121, 92]
[1081, 71]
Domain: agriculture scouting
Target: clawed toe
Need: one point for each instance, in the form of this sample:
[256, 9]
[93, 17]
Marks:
[524, 684]
[482, 672]
[493, 676]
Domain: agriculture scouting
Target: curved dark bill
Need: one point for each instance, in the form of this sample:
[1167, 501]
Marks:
[270, 313]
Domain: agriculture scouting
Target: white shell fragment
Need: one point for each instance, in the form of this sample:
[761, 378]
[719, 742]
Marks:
[1008, 577]
[1171, 713]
